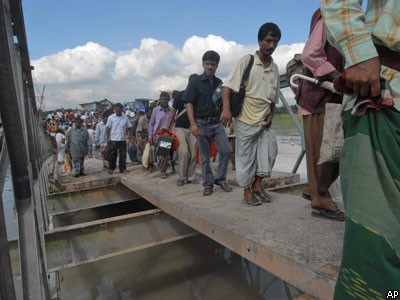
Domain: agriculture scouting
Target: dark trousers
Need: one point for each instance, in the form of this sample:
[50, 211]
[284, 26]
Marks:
[118, 148]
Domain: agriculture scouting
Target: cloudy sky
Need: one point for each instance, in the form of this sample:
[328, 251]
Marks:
[85, 51]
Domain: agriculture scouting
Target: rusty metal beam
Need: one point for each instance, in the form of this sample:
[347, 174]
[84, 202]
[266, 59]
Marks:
[92, 241]
[89, 198]
[317, 281]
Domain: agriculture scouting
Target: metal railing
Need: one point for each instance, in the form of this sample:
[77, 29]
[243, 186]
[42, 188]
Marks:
[28, 149]
[283, 84]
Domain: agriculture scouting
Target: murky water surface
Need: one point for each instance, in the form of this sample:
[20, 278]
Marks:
[195, 268]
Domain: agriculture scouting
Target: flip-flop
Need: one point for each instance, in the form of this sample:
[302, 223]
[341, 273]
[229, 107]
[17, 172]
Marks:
[252, 200]
[329, 214]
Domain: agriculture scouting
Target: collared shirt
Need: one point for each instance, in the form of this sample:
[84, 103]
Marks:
[101, 138]
[262, 89]
[118, 126]
[354, 33]
[199, 93]
[159, 119]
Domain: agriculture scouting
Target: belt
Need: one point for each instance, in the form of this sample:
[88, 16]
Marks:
[209, 119]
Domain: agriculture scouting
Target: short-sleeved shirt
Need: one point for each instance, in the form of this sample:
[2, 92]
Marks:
[118, 126]
[199, 93]
[262, 89]
[159, 120]
[182, 120]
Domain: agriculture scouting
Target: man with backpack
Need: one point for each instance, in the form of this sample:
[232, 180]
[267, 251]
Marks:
[256, 146]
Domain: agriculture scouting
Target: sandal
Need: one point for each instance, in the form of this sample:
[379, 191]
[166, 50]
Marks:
[180, 182]
[329, 214]
[163, 175]
[224, 186]
[263, 196]
[252, 200]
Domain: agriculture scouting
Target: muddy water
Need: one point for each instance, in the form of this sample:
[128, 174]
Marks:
[195, 268]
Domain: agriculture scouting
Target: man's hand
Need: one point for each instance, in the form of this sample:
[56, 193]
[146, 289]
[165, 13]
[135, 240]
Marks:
[195, 130]
[226, 117]
[363, 78]
[268, 121]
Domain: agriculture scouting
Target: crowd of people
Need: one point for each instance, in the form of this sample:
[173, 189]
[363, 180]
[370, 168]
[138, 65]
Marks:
[363, 45]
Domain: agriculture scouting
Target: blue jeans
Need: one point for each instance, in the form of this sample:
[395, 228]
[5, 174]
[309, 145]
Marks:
[213, 131]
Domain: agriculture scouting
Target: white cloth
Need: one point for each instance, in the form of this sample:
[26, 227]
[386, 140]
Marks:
[61, 146]
[256, 151]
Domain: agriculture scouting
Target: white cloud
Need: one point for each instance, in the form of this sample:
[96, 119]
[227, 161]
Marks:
[82, 64]
[93, 72]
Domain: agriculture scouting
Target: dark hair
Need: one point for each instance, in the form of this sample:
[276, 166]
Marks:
[106, 113]
[269, 28]
[211, 56]
[118, 105]
[164, 94]
[191, 77]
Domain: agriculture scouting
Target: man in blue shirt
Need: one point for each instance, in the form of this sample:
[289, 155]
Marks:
[204, 118]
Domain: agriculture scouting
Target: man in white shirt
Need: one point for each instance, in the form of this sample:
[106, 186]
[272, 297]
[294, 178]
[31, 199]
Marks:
[116, 128]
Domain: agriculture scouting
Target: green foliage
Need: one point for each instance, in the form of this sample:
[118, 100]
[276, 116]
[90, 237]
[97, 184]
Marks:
[283, 124]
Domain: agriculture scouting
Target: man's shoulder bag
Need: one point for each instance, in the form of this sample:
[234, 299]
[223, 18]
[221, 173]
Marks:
[236, 100]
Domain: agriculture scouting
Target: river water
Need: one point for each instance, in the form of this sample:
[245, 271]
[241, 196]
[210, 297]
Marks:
[195, 268]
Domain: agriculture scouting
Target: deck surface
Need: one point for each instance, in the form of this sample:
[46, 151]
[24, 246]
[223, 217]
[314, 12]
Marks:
[281, 237]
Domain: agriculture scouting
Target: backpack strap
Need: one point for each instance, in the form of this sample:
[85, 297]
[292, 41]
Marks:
[181, 113]
[246, 73]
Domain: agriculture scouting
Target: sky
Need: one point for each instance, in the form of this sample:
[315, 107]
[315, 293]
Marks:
[89, 50]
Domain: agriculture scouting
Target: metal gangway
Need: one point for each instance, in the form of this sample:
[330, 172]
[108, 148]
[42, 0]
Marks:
[25, 150]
